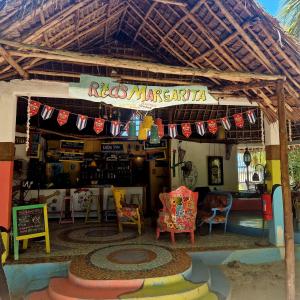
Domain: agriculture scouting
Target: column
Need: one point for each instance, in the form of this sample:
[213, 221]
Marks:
[8, 105]
[272, 153]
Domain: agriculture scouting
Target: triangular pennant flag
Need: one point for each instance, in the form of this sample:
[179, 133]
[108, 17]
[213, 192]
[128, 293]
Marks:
[251, 116]
[238, 120]
[99, 125]
[47, 112]
[172, 130]
[212, 126]
[160, 126]
[226, 123]
[81, 121]
[115, 128]
[34, 107]
[200, 127]
[186, 129]
[62, 117]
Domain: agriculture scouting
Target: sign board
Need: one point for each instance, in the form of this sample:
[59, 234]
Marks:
[74, 145]
[156, 155]
[161, 145]
[30, 221]
[71, 156]
[20, 140]
[106, 147]
[140, 97]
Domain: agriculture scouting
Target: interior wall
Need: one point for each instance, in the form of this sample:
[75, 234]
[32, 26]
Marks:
[198, 153]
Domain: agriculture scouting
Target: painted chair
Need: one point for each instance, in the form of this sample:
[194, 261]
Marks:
[179, 213]
[126, 214]
[215, 210]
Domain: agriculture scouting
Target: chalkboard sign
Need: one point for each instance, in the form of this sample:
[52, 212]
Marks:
[74, 145]
[106, 147]
[71, 156]
[30, 221]
[161, 145]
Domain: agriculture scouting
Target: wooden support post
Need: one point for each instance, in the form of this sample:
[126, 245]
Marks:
[287, 203]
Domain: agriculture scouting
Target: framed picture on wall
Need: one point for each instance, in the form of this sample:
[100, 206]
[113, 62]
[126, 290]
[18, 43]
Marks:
[215, 170]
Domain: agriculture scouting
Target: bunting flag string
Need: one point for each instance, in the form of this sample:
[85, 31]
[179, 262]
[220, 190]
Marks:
[115, 125]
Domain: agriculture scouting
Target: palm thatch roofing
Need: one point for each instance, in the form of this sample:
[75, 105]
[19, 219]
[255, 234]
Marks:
[210, 42]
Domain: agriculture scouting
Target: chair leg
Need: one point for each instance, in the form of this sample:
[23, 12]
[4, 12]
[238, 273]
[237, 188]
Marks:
[120, 227]
[192, 237]
[139, 228]
[157, 233]
[210, 228]
[172, 237]
[225, 227]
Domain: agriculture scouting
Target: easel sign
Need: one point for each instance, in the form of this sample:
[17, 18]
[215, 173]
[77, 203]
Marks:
[30, 221]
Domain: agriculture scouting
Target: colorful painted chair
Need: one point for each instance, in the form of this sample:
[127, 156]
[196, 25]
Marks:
[215, 210]
[126, 214]
[179, 213]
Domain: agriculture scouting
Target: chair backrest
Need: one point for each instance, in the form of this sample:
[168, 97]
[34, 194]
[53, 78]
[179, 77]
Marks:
[218, 199]
[119, 197]
[180, 202]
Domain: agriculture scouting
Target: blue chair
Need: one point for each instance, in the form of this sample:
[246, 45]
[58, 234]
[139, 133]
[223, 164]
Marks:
[215, 210]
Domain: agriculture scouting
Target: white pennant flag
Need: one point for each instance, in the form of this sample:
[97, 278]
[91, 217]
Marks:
[200, 127]
[172, 130]
[47, 112]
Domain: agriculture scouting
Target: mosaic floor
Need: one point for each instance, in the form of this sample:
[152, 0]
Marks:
[70, 240]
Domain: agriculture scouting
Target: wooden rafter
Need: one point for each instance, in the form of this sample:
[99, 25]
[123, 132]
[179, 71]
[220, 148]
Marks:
[13, 63]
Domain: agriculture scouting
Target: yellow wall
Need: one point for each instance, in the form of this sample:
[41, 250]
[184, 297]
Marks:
[273, 166]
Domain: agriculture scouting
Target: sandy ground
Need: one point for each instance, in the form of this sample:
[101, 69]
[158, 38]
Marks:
[259, 282]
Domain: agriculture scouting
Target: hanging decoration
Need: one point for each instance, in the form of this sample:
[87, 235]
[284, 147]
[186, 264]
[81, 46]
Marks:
[200, 127]
[212, 126]
[251, 116]
[28, 125]
[131, 130]
[47, 112]
[226, 123]
[81, 122]
[98, 125]
[161, 131]
[172, 128]
[186, 129]
[62, 117]
[154, 137]
[145, 127]
[115, 128]
[238, 120]
[34, 107]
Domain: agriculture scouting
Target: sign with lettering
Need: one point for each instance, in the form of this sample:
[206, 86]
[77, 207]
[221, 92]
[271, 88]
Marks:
[75, 145]
[71, 156]
[140, 97]
[20, 140]
[105, 147]
[30, 221]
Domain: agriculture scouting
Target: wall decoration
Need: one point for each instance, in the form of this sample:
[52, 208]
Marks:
[186, 129]
[215, 170]
[99, 125]
[81, 122]
[212, 126]
[172, 128]
[62, 117]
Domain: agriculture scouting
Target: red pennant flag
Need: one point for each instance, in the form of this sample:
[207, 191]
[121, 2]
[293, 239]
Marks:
[34, 107]
[186, 129]
[161, 131]
[62, 117]
[99, 125]
[238, 120]
[212, 126]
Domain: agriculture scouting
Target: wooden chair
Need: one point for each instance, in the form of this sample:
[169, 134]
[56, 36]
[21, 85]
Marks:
[178, 213]
[126, 214]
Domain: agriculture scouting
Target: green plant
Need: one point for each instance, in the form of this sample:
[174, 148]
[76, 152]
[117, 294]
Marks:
[294, 166]
[290, 16]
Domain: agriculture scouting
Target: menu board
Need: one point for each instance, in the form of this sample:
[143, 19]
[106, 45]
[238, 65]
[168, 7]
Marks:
[71, 156]
[30, 221]
[74, 145]
[106, 147]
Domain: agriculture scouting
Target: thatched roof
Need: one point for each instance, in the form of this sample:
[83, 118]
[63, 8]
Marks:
[224, 35]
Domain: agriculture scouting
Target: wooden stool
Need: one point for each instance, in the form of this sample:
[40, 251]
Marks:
[70, 204]
[88, 209]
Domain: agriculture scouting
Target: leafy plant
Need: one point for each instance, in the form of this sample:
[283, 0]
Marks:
[294, 166]
[290, 16]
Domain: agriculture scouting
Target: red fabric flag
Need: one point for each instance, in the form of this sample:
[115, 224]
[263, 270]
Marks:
[34, 107]
[212, 126]
[238, 120]
[186, 129]
[99, 125]
[160, 126]
[62, 117]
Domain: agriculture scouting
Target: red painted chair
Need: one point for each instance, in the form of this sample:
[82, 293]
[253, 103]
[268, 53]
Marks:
[179, 213]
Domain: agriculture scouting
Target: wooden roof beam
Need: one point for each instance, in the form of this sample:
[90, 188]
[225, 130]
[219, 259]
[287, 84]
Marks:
[71, 56]
[13, 63]
[172, 2]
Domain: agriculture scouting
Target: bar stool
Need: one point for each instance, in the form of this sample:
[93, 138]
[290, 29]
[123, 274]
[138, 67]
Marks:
[90, 200]
[66, 205]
